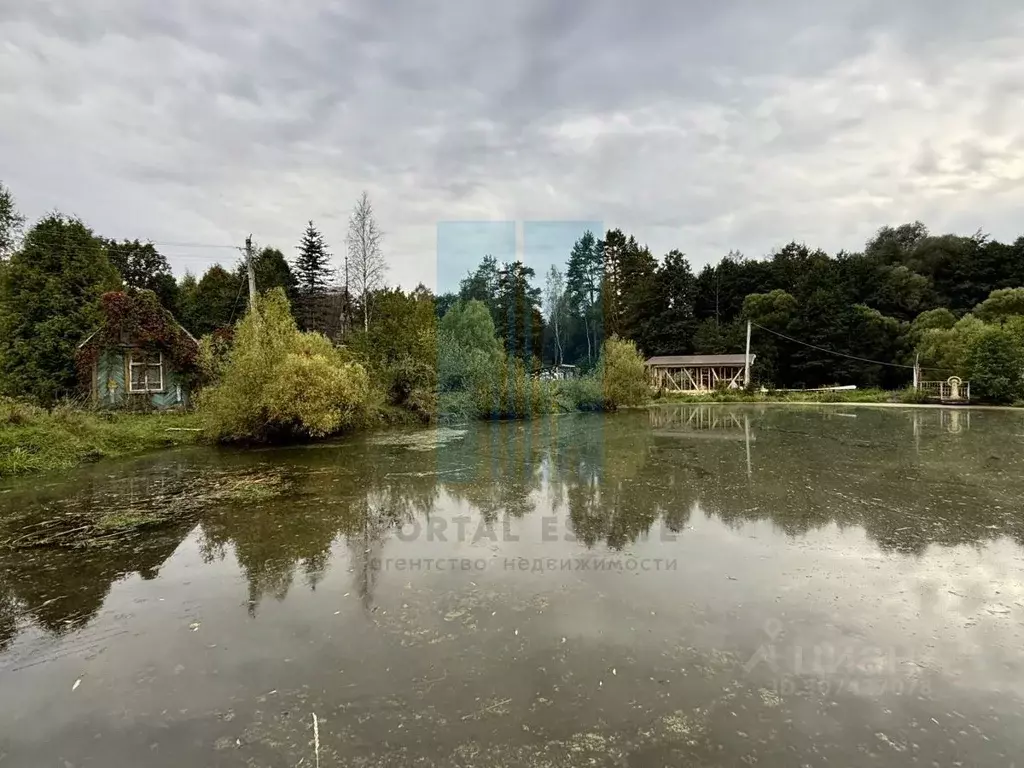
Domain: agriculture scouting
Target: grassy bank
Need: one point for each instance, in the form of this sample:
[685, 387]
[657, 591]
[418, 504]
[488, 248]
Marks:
[834, 396]
[38, 440]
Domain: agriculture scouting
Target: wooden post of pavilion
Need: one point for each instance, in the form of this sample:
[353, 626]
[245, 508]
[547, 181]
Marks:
[746, 360]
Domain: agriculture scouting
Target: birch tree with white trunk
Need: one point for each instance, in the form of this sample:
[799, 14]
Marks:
[554, 306]
[365, 259]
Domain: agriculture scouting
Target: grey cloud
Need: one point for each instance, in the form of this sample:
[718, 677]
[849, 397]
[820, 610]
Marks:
[927, 162]
[701, 125]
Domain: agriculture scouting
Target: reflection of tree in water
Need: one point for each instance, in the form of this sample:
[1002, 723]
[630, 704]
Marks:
[275, 539]
[598, 470]
[271, 540]
[61, 588]
[8, 616]
[381, 513]
[905, 487]
[588, 467]
[800, 469]
[607, 499]
[502, 462]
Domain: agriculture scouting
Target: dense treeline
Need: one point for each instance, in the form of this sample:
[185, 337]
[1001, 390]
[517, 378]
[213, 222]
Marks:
[851, 318]
[312, 359]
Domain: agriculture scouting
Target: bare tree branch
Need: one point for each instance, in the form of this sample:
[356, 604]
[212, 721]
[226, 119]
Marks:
[366, 261]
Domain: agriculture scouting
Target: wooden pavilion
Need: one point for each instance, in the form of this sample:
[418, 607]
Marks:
[698, 373]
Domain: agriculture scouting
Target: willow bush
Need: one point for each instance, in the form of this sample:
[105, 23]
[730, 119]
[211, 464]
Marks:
[280, 383]
[622, 373]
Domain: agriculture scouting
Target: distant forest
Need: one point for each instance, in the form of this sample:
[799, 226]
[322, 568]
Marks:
[907, 292]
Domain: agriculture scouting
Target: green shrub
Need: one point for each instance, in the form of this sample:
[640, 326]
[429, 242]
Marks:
[456, 407]
[911, 396]
[994, 365]
[312, 390]
[279, 382]
[582, 394]
[412, 384]
[623, 374]
[467, 348]
[508, 391]
[214, 349]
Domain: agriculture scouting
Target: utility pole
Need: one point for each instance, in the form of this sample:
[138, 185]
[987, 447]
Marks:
[746, 360]
[252, 275]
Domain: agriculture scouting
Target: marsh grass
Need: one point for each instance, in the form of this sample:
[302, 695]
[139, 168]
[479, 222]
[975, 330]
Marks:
[34, 439]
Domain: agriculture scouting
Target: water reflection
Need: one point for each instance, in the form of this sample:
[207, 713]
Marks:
[909, 479]
[60, 590]
[710, 422]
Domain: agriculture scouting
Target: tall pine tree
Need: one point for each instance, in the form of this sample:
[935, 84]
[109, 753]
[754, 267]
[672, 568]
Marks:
[518, 309]
[482, 285]
[583, 278]
[673, 323]
[11, 223]
[313, 274]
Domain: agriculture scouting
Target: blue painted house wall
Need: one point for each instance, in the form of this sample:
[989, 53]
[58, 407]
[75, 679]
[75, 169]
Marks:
[110, 383]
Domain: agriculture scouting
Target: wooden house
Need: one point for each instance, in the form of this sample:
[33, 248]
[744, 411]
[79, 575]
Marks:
[140, 356]
[697, 373]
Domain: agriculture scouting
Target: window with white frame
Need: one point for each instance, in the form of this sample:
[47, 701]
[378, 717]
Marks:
[146, 371]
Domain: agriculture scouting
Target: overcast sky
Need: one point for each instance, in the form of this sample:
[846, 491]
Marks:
[700, 125]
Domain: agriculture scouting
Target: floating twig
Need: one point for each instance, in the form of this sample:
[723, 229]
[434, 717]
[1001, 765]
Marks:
[487, 709]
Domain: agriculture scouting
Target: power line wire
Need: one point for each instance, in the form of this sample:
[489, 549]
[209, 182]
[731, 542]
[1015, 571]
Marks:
[241, 284]
[839, 354]
[55, 245]
[190, 245]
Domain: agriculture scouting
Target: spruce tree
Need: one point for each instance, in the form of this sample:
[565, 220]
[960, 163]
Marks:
[313, 274]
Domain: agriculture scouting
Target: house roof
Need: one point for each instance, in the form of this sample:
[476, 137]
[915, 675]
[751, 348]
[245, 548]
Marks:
[89, 338]
[197, 340]
[696, 361]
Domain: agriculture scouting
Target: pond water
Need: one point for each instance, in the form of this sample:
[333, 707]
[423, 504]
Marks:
[689, 585]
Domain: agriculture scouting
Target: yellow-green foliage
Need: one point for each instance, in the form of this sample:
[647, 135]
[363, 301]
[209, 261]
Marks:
[213, 355]
[623, 374]
[279, 382]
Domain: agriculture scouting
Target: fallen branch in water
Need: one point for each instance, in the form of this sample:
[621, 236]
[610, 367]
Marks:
[486, 709]
[62, 533]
